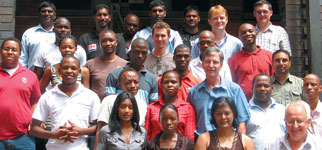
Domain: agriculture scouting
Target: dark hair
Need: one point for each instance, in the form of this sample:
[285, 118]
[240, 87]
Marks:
[11, 39]
[170, 106]
[46, 4]
[263, 74]
[126, 69]
[101, 6]
[263, 2]
[282, 51]
[68, 37]
[221, 102]
[181, 46]
[107, 31]
[190, 8]
[171, 71]
[70, 56]
[154, 3]
[115, 121]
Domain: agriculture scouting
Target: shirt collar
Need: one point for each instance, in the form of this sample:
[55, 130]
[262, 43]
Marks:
[143, 71]
[316, 111]
[288, 79]
[20, 68]
[177, 104]
[252, 103]
[79, 90]
[40, 28]
[223, 43]
[246, 53]
[306, 145]
[221, 85]
[269, 29]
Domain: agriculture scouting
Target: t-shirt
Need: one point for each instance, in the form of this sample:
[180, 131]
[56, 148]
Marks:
[159, 65]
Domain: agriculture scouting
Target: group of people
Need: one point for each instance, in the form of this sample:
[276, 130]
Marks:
[156, 88]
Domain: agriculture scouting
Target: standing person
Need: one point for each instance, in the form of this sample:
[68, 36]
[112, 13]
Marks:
[267, 117]
[190, 30]
[50, 53]
[18, 98]
[287, 87]
[312, 89]
[228, 44]
[171, 81]
[270, 37]
[206, 40]
[123, 130]
[70, 106]
[91, 42]
[169, 137]
[34, 37]
[132, 25]
[160, 60]
[224, 118]
[182, 58]
[157, 14]
[249, 62]
[148, 90]
[101, 66]
[203, 95]
[297, 121]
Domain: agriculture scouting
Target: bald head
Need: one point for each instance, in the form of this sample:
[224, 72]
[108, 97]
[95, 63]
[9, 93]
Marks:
[60, 20]
[132, 23]
[62, 27]
[207, 33]
[206, 39]
[140, 41]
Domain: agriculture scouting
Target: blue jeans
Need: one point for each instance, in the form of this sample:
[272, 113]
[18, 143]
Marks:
[23, 142]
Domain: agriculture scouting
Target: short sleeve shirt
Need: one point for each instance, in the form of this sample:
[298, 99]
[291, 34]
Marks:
[159, 65]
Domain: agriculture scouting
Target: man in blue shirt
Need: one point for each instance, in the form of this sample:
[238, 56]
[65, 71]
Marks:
[41, 34]
[202, 95]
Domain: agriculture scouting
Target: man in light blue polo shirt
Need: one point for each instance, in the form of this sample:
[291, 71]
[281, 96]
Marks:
[203, 95]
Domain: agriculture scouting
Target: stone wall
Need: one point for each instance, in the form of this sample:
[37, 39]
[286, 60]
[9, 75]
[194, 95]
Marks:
[7, 18]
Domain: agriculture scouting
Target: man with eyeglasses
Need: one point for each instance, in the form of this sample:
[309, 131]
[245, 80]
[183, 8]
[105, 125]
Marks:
[267, 117]
[270, 37]
[206, 39]
[312, 89]
[297, 121]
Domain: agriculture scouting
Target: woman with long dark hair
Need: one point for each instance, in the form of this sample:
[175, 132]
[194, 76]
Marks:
[224, 114]
[123, 130]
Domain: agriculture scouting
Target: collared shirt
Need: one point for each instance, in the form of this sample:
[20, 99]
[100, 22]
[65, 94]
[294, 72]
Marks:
[31, 42]
[159, 65]
[187, 82]
[230, 45]
[17, 94]
[244, 66]
[202, 98]
[108, 103]
[197, 70]
[51, 55]
[291, 89]
[317, 120]
[115, 141]
[265, 126]
[311, 143]
[174, 41]
[90, 42]
[186, 124]
[148, 90]
[273, 39]
[187, 38]
[79, 108]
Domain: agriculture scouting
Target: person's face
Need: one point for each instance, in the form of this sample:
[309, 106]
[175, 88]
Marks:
[160, 37]
[281, 63]
[263, 14]
[224, 117]
[211, 65]
[47, 15]
[262, 89]
[182, 58]
[297, 122]
[170, 85]
[67, 47]
[69, 70]
[169, 120]
[139, 52]
[157, 14]
[125, 110]
[108, 42]
[102, 18]
[10, 54]
[130, 82]
[132, 25]
[218, 21]
[192, 19]
[206, 41]
[247, 34]
[311, 87]
[62, 28]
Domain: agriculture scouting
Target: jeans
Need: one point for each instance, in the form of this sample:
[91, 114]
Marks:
[23, 142]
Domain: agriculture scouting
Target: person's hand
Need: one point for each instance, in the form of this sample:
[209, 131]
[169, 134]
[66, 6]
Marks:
[62, 133]
[43, 125]
[74, 131]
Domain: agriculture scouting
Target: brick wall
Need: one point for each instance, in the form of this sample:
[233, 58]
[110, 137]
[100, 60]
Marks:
[7, 19]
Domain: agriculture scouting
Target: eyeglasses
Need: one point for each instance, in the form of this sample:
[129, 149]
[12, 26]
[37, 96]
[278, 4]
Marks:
[205, 42]
[258, 12]
[298, 122]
